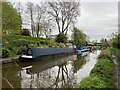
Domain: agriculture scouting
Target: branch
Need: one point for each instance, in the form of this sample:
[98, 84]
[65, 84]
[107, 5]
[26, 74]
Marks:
[66, 26]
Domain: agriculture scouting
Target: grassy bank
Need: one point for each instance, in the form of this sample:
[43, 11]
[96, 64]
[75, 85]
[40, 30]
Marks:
[116, 45]
[117, 52]
[101, 75]
[16, 44]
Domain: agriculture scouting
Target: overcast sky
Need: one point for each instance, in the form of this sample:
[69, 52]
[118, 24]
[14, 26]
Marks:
[98, 19]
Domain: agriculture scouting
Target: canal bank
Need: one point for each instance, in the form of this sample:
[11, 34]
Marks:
[10, 59]
[60, 72]
[101, 76]
[16, 58]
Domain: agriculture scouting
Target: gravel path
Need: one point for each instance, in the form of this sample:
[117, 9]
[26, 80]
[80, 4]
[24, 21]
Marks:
[116, 61]
[119, 74]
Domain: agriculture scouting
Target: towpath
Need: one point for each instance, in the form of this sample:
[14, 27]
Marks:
[117, 70]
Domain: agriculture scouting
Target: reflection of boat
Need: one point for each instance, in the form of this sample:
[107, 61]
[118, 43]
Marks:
[57, 73]
[37, 52]
[45, 64]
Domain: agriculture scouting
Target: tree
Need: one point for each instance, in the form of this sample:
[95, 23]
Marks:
[78, 37]
[63, 13]
[18, 6]
[46, 28]
[30, 9]
[38, 20]
[11, 20]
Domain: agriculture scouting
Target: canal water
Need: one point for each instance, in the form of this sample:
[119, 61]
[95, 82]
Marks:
[58, 72]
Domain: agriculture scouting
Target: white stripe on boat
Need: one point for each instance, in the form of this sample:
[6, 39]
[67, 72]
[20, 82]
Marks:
[25, 56]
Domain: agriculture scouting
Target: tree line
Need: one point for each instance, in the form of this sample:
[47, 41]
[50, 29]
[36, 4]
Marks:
[44, 17]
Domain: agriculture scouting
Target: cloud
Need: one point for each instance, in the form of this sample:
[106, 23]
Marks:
[100, 0]
[98, 19]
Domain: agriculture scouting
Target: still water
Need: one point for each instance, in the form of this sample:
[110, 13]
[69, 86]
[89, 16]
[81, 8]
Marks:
[58, 72]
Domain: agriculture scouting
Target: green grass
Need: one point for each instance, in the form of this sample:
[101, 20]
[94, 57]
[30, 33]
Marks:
[16, 44]
[20, 37]
[19, 40]
[117, 51]
[101, 75]
[116, 45]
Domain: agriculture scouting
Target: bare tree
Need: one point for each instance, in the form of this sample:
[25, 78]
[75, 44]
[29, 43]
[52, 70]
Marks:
[43, 24]
[18, 6]
[64, 13]
[39, 16]
[46, 26]
[30, 8]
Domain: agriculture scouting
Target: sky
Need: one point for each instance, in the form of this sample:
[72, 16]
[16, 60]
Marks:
[98, 18]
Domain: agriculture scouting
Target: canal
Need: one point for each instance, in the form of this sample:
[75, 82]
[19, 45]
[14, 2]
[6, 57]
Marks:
[58, 72]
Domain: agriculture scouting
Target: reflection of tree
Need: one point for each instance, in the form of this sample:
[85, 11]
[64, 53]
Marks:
[62, 79]
[47, 79]
[61, 76]
[77, 64]
[12, 74]
[54, 77]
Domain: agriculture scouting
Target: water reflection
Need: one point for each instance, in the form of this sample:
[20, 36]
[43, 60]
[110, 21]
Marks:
[53, 74]
[63, 72]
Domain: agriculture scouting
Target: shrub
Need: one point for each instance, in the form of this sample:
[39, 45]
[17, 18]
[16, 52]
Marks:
[94, 82]
[5, 53]
[103, 67]
[116, 42]
[61, 38]
[21, 50]
[61, 44]
[25, 32]
[106, 54]
[43, 42]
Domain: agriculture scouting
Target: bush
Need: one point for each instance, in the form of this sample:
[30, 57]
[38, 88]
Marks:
[21, 50]
[94, 82]
[5, 53]
[25, 32]
[117, 52]
[61, 38]
[116, 42]
[106, 54]
[103, 67]
[61, 45]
